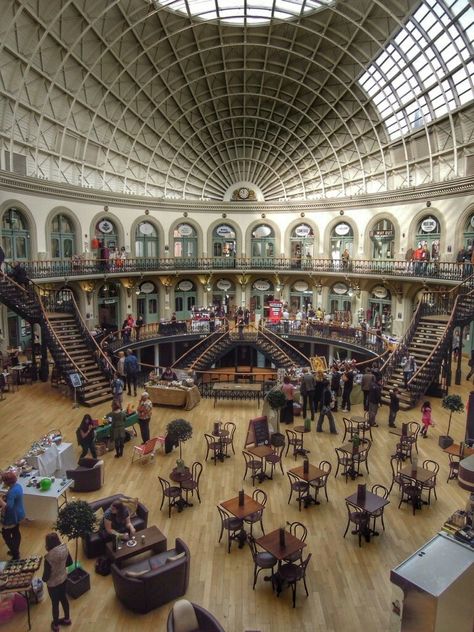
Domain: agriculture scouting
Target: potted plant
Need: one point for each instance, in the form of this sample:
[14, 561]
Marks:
[276, 400]
[454, 404]
[76, 520]
[179, 430]
[355, 440]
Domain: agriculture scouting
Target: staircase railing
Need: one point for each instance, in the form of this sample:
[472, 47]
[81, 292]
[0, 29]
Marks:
[206, 343]
[274, 339]
[212, 344]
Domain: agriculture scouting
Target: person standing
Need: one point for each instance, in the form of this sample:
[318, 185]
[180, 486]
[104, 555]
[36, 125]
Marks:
[319, 383]
[56, 561]
[347, 385]
[13, 512]
[375, 400]
[426, 419]
[144, 410]
[326, 410]
[2, 259]
[394, 407]
[131, 372]
[117, 389]
[366, 383]
[409, 369]
[117, 429]
[121, 365]
[86, 437]
[307, 392]
[138, 325]
[287, 413]
[335, 386]
[471, 366]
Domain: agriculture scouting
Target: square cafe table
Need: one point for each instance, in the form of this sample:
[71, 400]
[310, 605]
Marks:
[422, 476]
[271, 543]
[351, 470]
[260, 451]
[370, 505]
[249, 507]
[312, 474]
[455, 450]
[154, 541]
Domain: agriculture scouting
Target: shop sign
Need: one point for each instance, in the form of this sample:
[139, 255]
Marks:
[382, 235]
[185, 230]
[342, 229]
[262, 231]
[300, 286]
[225, 231]
[147, 287]
[146, 228]
[223, 284]
[339, 288]
[303, 230]
[428, 225]
[105, 227]
[110, 301]
[380, 291]
[261, 285]
[185, 286]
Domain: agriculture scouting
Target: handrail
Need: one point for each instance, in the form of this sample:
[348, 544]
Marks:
[213, 334]
[225, 333]
[271, 333]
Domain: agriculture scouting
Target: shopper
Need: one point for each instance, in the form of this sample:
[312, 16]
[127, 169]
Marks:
[117, 389]
[56, 561]
[367, 381]
[86, 437]
[375, 400]
[144, 410]
[409, 369]
[307, 392]
[13, 512]
[348, 384]
[326, 410]
[117, 429]
[394, 406]
[288, 389]
[131, 372]
[426, 419]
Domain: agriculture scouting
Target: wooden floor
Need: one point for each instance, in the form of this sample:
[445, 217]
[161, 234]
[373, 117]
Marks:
[350, 588]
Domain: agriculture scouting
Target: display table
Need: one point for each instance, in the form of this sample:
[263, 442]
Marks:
[55, 460]
[103, 432]
[181, 396]
[41, 505]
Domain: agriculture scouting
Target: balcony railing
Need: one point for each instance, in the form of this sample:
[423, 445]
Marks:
[79, 267]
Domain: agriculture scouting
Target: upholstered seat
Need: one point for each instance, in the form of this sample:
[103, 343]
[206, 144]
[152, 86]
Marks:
[185, 614]
[88, 475]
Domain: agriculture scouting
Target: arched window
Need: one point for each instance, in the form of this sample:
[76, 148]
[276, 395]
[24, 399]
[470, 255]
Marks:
[383, 239]
[469, 233]
[146, 240]
[262, 293]
[105, 234]
[223, 295]
[428, 233]
[147, 302]
[379, 313]
[184, 299]
[63, 237]
[224, 246]
[342, 238]
[340, 302]
[263, 245]
[185, 241]
[15, 235]
[301, 245]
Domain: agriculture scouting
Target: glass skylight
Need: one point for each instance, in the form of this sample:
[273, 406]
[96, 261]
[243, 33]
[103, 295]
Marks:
[428, 68]
[251, 12]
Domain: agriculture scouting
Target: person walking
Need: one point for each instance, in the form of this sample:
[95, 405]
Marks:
[13, 512]
[394, 407]
[56, 561]
[319, 382]
[375, 400]
[409, 369]
[86, 437]
[144, 410]
[307, 392]
[287, 416]
[131, 372]
[117, 429]
[348, 384]
[426, 419]
[117, 389]
[335, 386]
[367, 381]
[326, 410]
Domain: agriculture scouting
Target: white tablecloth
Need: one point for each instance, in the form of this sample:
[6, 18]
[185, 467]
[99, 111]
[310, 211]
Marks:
[55, 460]
[43, 505]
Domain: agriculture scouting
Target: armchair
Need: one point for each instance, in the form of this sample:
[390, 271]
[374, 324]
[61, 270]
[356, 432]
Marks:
[88, 476]
[185, 614]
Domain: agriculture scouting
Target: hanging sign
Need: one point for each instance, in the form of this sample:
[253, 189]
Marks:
[339, 288]
[146, 228]
[303, 230]
[300, 286]
[147, 287]
[105, 226]
[225, 231]
[380, 291]
[428, 225]
[261, 285]
[223, 284]
[275, 311]
[342, 229]
[185, 286]
[262, 231]
[185, 230]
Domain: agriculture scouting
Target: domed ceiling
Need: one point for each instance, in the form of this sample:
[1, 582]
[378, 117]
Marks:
[190, 98]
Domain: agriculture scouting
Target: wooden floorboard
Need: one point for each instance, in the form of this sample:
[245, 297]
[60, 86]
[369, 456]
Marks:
[349, 587]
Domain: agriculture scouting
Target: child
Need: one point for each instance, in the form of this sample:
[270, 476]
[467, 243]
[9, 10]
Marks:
[426, 419]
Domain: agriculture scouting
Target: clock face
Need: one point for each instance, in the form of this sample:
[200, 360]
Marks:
[243, 193]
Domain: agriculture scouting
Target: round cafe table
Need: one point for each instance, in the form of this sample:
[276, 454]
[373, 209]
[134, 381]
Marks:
[180, 477]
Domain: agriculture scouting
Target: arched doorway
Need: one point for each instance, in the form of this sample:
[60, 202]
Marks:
[146, 240]
[382, 237]
[63, 237]
[224, 246]
[301, 296]
[15, 235]
[469, 233]
[185, 298]
[428, 232]
[223, 295]
[379, 313]
[342, 237]
[109, 306]
[340, 302]
[185, 241]
[263, 246]
[262, 294]
[301, 245]
[147, 302]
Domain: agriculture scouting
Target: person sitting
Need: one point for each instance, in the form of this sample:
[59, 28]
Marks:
[168, 375]
[116, 523]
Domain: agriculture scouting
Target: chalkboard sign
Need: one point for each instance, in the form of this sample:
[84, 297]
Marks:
[75, 380]
[258, 433]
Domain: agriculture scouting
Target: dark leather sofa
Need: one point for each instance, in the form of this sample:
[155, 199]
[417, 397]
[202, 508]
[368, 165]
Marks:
[158, 582]
[93, 545]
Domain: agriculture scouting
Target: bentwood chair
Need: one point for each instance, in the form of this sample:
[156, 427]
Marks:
[275, 458]
[430, 485]
[293, 440]
[213, 445]
[252, 465]
[350, 429]
[301, 488]
[299, 530]
[344, 460]
[291, 574]
[363, 454]
[231, 524]
[262, 560]
[383, 492]
[396, 466]
[193, 483]
[359, 518]
[260, 497]
[322, 483]
[413, 431]
[171, 492]
[453, 467]
[229, 440]
[409, 492]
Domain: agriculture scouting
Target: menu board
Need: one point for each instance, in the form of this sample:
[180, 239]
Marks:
[258, 432]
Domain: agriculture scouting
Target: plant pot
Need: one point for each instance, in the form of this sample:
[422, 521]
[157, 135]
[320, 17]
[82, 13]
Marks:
[78, 582]
[445, 441]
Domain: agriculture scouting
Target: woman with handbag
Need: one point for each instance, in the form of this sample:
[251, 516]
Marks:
[56, 561]
[117, 429]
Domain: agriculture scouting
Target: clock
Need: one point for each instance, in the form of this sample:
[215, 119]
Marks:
[244, 193]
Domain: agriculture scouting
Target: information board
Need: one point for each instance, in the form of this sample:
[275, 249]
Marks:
[258, 432]
[75, 380]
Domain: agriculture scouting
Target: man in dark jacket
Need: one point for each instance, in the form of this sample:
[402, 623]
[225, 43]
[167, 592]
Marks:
[375, 398]
[366, 383]
[326, 410]
[394, 406]
[131, 372]
[307, 392]
[335, 386]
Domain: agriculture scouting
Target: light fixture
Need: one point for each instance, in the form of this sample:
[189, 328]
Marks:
[350, 292]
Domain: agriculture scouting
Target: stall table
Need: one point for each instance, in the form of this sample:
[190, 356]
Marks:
[56, 459]
[181, 396]
[102, 433]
